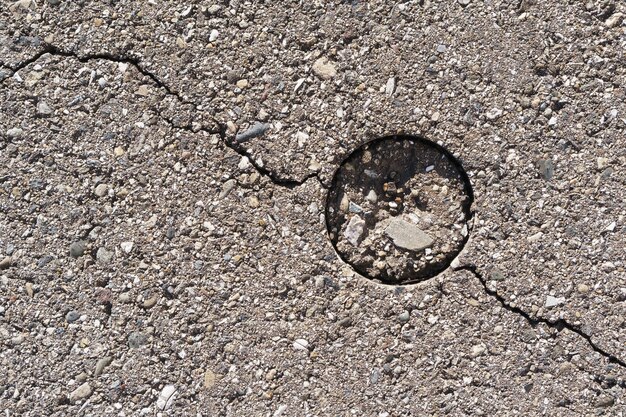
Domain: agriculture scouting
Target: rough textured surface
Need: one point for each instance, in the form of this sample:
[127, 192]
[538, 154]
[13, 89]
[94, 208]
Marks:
[150, 262]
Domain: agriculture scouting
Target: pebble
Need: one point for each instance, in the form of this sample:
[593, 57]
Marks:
[150, 302]
[407, 235]
[614, 20]
[127, 246]
[101, 190]
[5, 263]
[371, 196]
[324, 68]
[546, 169]
[478, 350]
[118, 151]
[244, 163]
[404, 316]
[354, 230]
[101, 364]
[72, 316]
[104, 255]
[166, 398]
[43, 109]
[354, 208]
[554, 301]
[301, 344]
[242, 84]
[213, 35]
[390, 87]
[15, 132]
[583, 288]
[209, 378]
[464, 2]
[271, 374]
[77, 249]
[441, 48]
[493, 114]
[256, 130]
[227, 188]
[80, 393]
[136, 340]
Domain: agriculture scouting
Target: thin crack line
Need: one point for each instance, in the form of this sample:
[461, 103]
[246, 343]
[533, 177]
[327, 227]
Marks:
[534, 321]
[221, 131]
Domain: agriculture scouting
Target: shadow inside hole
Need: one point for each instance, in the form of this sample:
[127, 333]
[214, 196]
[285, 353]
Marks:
[399, 169]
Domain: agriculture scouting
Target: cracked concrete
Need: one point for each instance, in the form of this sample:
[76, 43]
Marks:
[219, 257]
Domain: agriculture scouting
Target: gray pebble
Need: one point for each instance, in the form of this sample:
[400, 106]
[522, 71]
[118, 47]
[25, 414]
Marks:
[5, 263]
[256, 130]
[136, 340]
[546, 169]
[104, 255]
[355, 208]
[464, 2]
[72, 316]
[44, 260]
[77, 249]
[15, 132]
[43, 109]
[404, 316]
[171, 232]
[80, 393]
[101, 364]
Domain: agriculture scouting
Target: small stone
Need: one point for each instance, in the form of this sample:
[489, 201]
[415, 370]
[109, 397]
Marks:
[101, 364]
[104, 255]
[72, 316]
[101, 190]
[136, 340]
[441, 49]
[15, 133]
[371, 196]
[408, 236]
[354, 230]
[77, 249]
[324, 69]
[546, 169]
[390, 87]
[244, 163]
[227, 188]
[602, 163]
[478, 350]
[143, 91]
[242, 84]
[80, 393]
[118, 151]
[271, 374]
[127, 246]
[150, 302]
[166, 398]
[301, 344]
[605, 401]
[209, 379]
[43, 109]
[404, 316]
[614, 20]
[583, 288]
[464, 2]
[213, 35]
[5, 263]
[554, 301]
[354, 208]
[256, 130]
[494, 114]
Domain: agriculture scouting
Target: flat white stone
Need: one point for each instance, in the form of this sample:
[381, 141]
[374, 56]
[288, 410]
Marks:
[408, 236]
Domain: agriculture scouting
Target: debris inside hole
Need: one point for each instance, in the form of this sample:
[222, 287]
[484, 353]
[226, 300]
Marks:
[398, 209]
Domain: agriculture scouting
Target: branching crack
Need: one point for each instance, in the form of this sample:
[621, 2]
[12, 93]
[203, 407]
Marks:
[534, 321]
[221, 131]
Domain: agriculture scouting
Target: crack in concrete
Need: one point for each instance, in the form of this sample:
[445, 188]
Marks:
[221, 131]
[291, 183]
[535, 321]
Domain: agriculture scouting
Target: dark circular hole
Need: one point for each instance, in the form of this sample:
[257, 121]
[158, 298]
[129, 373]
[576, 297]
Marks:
[398, 209]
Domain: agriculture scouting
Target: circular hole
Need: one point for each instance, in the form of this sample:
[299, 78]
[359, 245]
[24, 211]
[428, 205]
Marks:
[398, 209]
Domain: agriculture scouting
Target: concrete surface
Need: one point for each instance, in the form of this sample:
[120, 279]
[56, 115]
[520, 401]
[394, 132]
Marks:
[158, 257]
